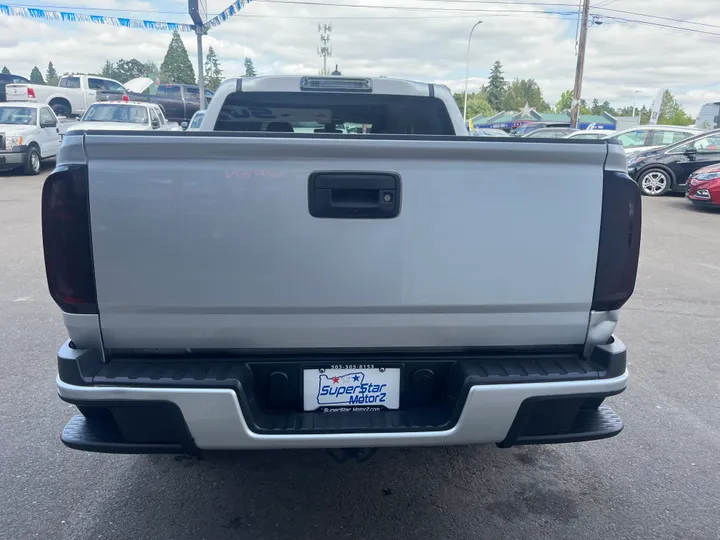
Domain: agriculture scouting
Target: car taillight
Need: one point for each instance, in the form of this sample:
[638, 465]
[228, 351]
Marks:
[619, 245]
[126, 97]
[67, 241]
[30, 92]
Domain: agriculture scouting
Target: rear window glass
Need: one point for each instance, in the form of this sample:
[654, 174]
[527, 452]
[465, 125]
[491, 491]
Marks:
[70, 82]
[301, 112]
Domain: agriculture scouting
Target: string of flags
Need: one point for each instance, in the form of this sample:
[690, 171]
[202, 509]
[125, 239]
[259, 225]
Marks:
[69, 16]
[228, 12]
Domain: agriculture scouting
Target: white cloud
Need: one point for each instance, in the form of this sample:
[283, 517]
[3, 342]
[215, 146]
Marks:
[428, 44]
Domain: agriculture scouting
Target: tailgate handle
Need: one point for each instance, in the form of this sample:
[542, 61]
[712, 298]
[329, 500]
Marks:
[354, 195]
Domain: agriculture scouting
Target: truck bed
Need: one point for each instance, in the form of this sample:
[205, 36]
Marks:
[209, 241]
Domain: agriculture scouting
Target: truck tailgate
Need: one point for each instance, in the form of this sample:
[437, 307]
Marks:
[208, 241]
[16, 92]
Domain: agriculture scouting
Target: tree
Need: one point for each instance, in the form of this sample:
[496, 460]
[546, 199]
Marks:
[596, 108]
[671, 112]
[125, 70]
[213, 72]
[477, 104]
[153, 71]
[36, 77]
[496, 87]
[522, 92]
[176, 67]
[249, 68]
[108, 70]
[51, 76]
[5, 70]
[565, 103]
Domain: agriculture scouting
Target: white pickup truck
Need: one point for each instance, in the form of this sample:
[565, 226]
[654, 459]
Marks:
[249, 287]
[29, 133]
[124, 116]
[72, 96]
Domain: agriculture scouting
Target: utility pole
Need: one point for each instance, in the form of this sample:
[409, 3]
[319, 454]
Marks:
[324, 48]
[577, 89]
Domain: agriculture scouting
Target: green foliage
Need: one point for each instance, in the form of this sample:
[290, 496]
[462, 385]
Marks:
[176, 67]
[671, 112]
[496, 87]
[36, 77]
[565, 104]
[249, 68]
[477, 104]
[125, 70]
[522, 92]
[5, 70]
[213, 72]
[51, 76]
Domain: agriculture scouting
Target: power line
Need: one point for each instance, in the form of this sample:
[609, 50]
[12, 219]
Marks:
[659, 17]
[660, 25]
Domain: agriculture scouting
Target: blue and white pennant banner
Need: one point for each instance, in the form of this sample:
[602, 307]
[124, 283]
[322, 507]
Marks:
[228, 12]
[69, 16]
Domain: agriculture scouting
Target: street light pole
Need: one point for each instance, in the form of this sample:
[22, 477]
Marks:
[635, 93]
[467, 68]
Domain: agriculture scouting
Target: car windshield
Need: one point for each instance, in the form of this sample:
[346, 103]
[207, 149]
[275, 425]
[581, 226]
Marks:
[19, 116]
[128, 114]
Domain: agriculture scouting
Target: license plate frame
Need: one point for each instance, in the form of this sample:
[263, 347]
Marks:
[383, 387]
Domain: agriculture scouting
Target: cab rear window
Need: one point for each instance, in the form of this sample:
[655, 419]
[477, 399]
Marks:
[302, 112]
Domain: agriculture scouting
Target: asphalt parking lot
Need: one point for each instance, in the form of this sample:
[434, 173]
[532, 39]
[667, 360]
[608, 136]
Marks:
[659, 479]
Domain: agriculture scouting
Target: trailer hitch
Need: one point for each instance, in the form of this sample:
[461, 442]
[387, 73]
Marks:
[361, 455]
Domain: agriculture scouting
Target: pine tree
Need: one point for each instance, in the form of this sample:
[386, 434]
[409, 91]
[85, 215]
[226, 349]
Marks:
[36, 77]
[5, 70]
[496, 87]
[176, 67]
[249, 68]
[213, 72]
[51, 76]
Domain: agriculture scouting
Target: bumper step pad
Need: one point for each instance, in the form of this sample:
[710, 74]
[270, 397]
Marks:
[103, 436]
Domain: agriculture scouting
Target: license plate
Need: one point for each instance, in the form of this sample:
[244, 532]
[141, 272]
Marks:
[351, 388]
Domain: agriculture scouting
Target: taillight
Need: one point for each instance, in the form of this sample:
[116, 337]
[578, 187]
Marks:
[30, 92]
[67, 242]
[126, 97]
[619, 246]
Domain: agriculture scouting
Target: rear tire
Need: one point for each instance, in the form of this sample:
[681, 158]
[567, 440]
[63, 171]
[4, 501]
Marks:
[33, 163]
[655, 182]
[61, 110]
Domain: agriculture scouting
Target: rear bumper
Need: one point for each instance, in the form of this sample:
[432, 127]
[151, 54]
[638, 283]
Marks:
[153, 413]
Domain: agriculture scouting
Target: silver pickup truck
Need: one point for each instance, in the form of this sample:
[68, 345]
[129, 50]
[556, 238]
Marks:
[334, 263]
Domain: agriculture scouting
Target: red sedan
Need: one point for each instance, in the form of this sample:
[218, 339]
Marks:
[703, 187]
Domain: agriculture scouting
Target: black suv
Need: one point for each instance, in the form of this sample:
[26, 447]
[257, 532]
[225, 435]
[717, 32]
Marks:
[6, 78]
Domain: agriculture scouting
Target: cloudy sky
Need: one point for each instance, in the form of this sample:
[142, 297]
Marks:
[629, 53]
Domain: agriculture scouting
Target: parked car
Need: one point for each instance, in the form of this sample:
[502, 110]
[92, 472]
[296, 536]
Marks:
[549, 133]
[125, 116]
[71, 97]
[179, 102]
[6, 78]
[29, 133]
[668, 169]
[649, 137]
[532, 126]
[220, 293]
[196, 121]
[703, 186]
[488, 132]
[593, 134]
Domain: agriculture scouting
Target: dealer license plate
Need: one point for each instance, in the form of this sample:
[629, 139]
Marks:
[349, 388]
